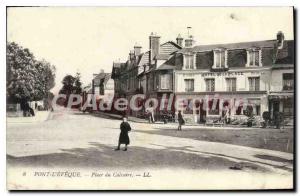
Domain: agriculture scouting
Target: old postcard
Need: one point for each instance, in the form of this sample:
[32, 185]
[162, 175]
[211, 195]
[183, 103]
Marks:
[150, 98]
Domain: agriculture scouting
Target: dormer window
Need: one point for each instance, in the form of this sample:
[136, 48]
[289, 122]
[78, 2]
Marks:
[189, 61]
[220, 58]
[253, 57]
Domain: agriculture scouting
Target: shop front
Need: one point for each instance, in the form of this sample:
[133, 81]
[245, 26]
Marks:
[198, 108]
[281, 102]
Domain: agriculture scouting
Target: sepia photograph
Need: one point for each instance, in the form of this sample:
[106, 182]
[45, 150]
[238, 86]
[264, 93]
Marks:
[150, 98]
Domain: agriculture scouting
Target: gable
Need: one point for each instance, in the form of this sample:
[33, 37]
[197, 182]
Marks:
[168, 48]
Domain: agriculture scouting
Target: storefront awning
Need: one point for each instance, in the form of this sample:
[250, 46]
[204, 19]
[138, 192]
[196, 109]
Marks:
[281, 95]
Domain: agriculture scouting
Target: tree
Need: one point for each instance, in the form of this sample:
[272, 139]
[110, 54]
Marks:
[20, 73]
[71, 85]
[68, 85]
[27, 78]
[77, 84]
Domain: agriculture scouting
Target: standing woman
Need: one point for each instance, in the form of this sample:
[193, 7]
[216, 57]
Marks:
[180, 120]
[124, 138]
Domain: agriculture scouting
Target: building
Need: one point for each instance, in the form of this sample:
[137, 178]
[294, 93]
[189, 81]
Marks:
[231, 73]
[281, 95]
[256, 74]
[102, 86]
[159, 71]
[149, 73]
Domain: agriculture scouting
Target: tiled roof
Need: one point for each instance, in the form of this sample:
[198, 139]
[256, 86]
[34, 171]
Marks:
[241, 45]
[166, 67]
[168, 64]
[286, 54]
[101, 76]
[168, 48]
[162, 56]
[144, 58]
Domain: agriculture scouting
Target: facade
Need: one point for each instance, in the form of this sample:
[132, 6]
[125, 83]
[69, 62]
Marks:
[103, 86]
[232, 74]
[159, 72]
[281, 95]
[258, 74]
[147, 73]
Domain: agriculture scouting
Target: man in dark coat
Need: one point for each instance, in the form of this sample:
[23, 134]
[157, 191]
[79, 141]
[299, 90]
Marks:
[124, 138]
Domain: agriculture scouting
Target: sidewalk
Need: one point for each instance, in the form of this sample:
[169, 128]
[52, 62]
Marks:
[40, 116]
[139, 120]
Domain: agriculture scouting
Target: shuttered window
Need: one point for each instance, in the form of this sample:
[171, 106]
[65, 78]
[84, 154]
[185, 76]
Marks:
[189, 61]
[253, 58]
[231, 84]
[288, 81]
[165, 81]
[219, 58]
[210, 85]
[254, 83]
[189, 85]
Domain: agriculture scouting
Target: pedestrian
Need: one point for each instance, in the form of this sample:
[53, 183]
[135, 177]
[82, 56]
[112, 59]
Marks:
[124, 138]
[149, 112]
[180, 120]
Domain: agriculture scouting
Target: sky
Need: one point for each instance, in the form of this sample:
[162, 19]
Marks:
[88, 39]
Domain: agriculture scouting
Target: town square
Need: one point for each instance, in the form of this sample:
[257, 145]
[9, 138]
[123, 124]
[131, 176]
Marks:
[95, 99]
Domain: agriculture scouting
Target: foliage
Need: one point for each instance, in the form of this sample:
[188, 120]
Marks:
[71, 85]
[68, 85]
[27, 78]
[77, 84]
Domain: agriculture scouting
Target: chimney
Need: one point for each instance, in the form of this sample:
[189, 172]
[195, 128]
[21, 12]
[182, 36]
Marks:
[280, 39]
[154, 45]
[189, 41]
[101, 70]
[179, 40]
[137, 49]
[131, 55]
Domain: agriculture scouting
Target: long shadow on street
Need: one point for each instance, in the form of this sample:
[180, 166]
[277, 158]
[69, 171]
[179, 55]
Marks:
[103, 156]
[272, 139]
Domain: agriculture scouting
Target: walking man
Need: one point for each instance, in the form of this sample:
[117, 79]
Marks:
[124, 138]
[180, 120]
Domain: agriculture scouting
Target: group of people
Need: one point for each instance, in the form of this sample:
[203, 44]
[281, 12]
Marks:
[150, 116]
[27, 110]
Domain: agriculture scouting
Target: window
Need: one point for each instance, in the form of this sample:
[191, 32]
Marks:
[231, 84]
[220, 60]
[189, 61]
[213, 107]
[188, 107]
[165, 81]
[189, 85]
[253, 58]
[210, 85]
[288, 81]
[254, 83]
[288, 107]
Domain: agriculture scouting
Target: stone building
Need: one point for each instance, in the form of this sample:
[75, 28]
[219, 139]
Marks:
[281, 95]
[230, 73]
[102, 86]
[149, 73]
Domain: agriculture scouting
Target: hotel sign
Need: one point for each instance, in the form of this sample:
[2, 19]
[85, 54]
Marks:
[222, 74]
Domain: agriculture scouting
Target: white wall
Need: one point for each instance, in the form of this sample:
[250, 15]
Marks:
[220, 79]
[277, 79]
